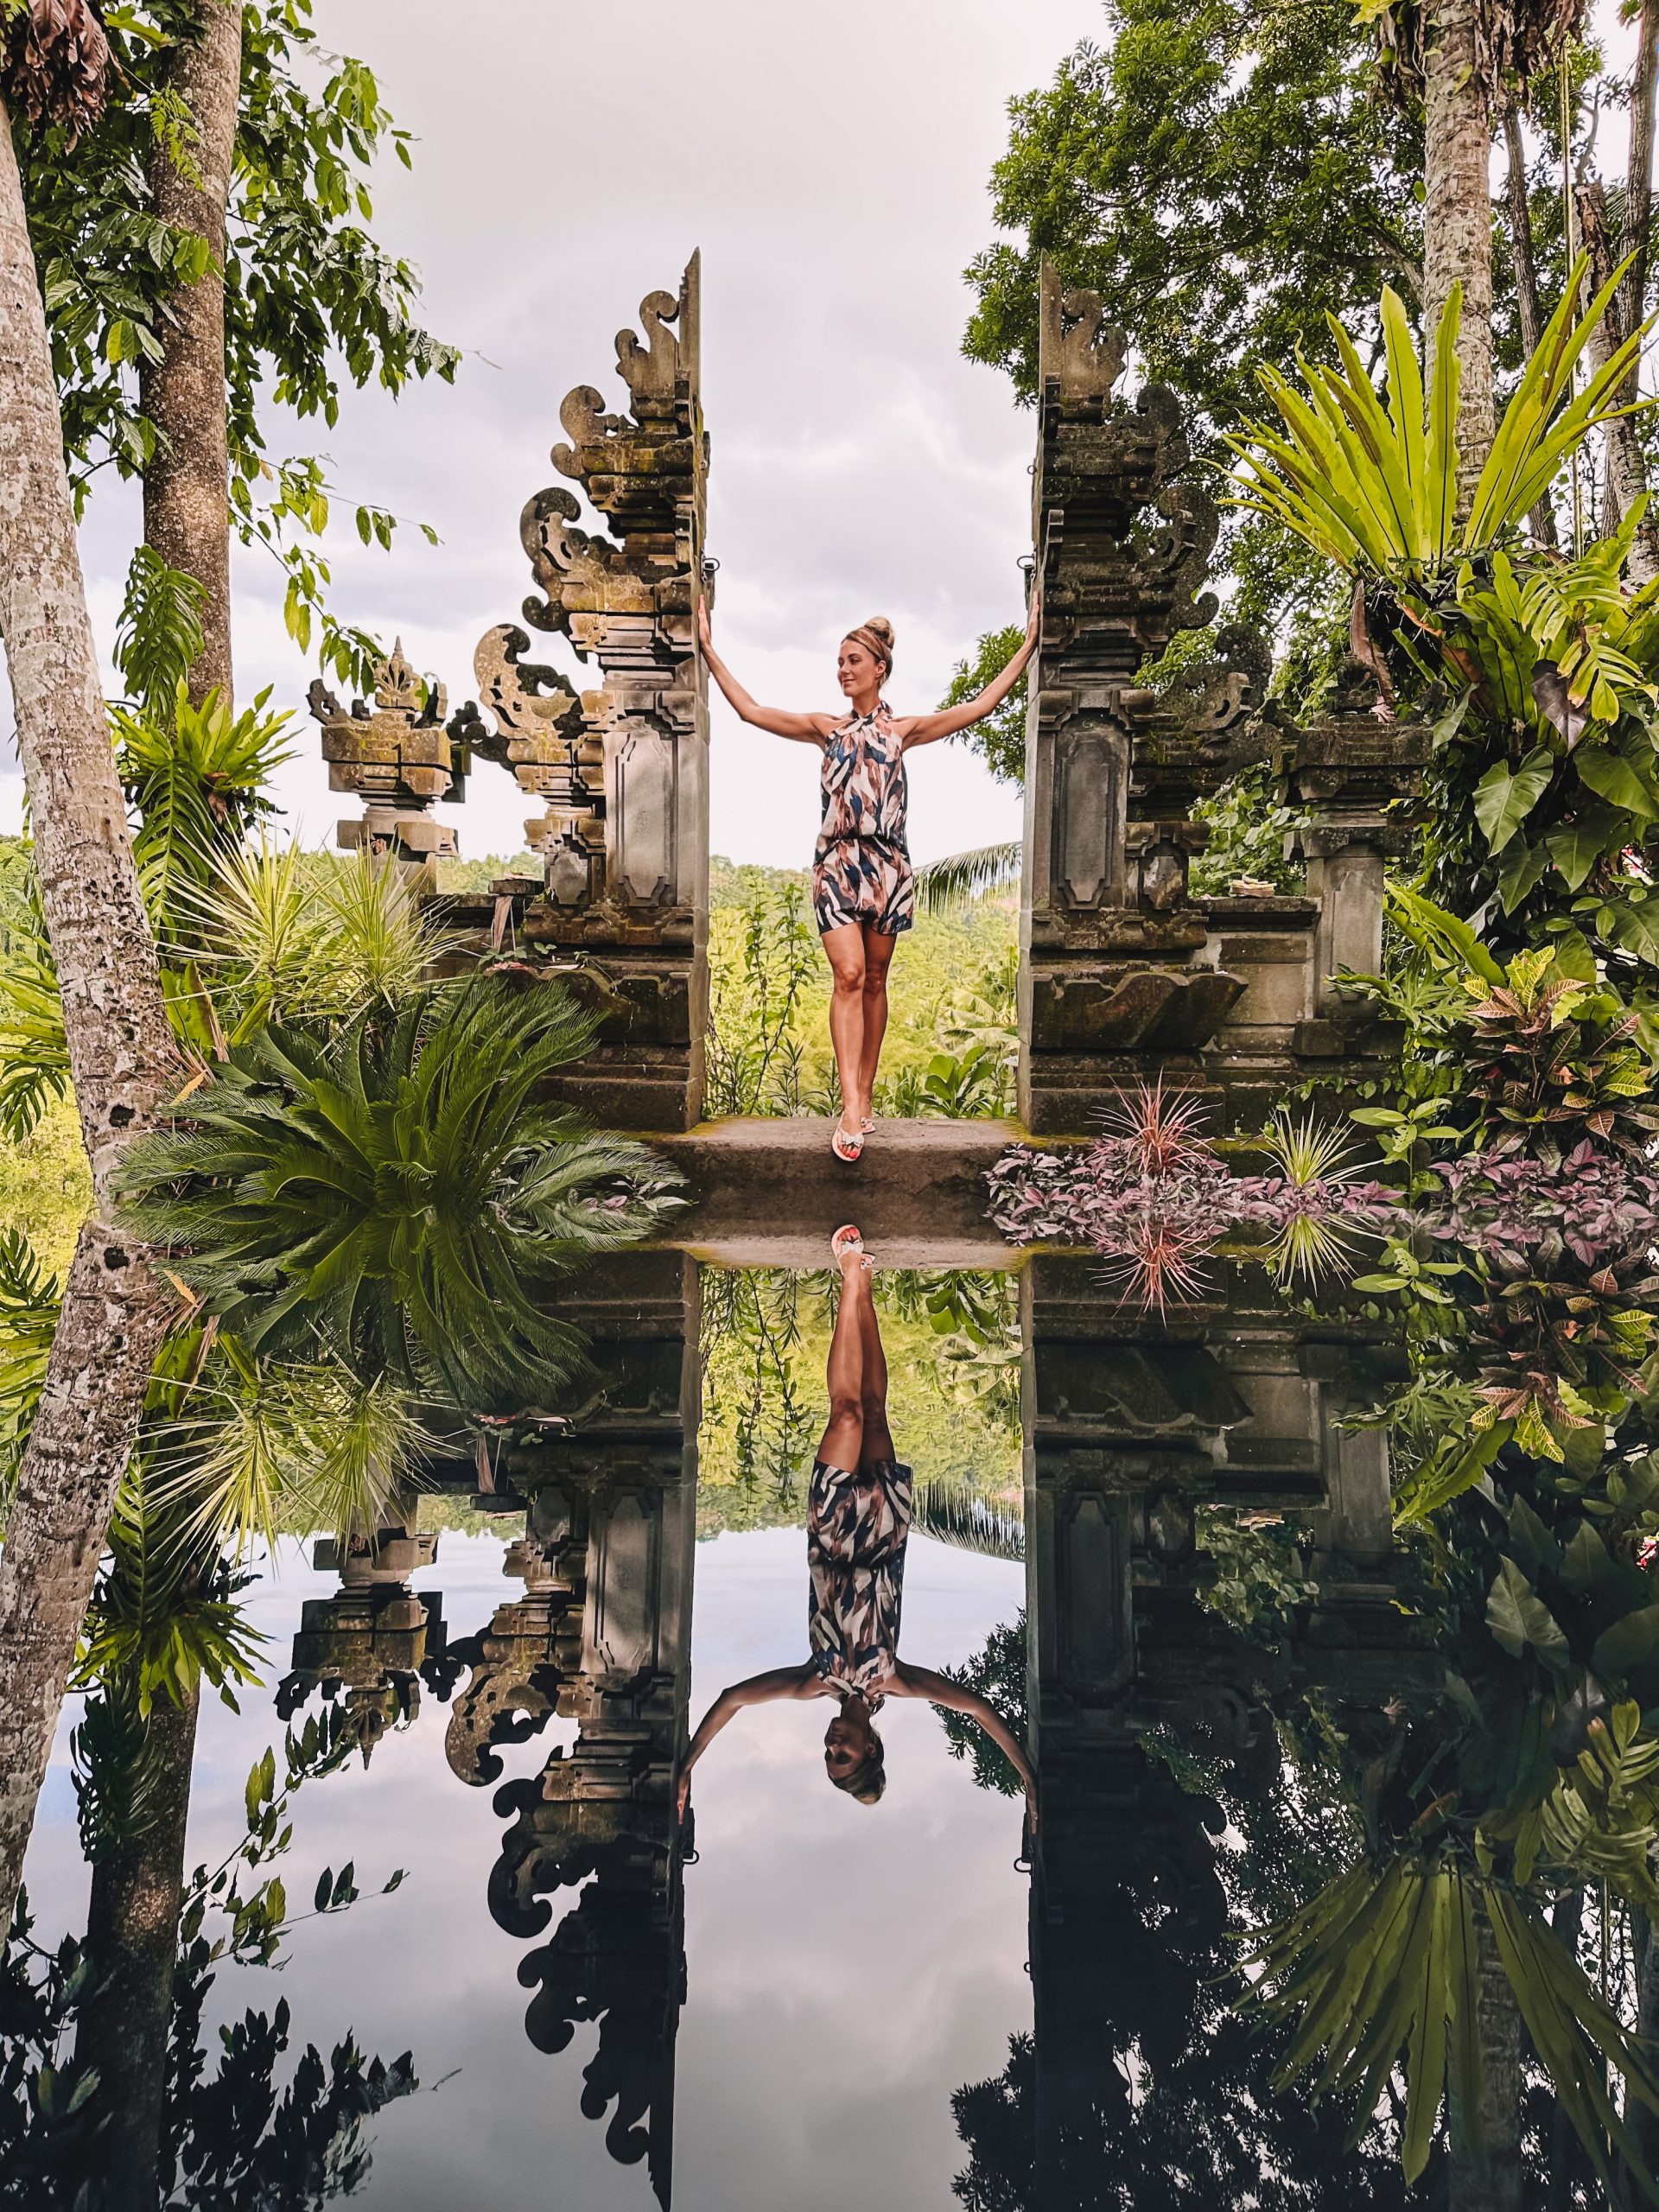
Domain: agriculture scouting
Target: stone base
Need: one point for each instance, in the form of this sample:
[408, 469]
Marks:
[647, 978]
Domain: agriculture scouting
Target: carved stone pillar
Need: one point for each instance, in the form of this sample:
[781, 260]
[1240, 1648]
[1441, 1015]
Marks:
[396, 753]
[1353, 769]
[1116, 978]
[620, 770]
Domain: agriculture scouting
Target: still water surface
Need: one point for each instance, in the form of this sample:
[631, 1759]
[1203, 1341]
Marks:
[1162, 1550]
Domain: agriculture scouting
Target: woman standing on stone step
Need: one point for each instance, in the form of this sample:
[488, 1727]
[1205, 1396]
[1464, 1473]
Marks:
[863, 889]
[857, 1526]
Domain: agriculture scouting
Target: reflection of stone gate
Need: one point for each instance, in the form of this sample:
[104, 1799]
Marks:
[1123, 973]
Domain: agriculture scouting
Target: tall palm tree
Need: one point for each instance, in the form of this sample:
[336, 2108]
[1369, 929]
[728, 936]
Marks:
[119, 1045]
[1462, 57]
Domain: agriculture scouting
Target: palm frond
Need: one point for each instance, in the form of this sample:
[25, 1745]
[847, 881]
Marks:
[961, 878]
[402, 1191]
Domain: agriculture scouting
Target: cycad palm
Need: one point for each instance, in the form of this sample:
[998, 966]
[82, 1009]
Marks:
[404, 1190]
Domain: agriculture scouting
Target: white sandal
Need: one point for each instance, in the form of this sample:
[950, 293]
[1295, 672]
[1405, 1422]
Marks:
[845, 1148]
[868, 1126]
[845, 1239]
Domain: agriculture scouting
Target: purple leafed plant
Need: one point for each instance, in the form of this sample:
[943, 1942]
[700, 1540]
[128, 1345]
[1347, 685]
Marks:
[1525, 1215]
[1153, 1196]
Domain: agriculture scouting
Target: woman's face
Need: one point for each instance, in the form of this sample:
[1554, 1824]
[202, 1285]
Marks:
[846, 1742]
[857, 669]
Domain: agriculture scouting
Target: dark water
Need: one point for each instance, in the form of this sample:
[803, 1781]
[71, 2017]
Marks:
[835, 1958]
[1163, 1549]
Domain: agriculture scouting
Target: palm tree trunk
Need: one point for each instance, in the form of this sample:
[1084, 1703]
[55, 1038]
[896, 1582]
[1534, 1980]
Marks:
[187, 508]
[1496, 2183]
[1526, 282]
[1638, 167]
[133, 1935]
[1458, 220]
[1627, 469]
[121, 1050]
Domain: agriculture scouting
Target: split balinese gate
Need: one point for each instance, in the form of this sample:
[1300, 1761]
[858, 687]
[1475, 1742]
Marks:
[1123, 973]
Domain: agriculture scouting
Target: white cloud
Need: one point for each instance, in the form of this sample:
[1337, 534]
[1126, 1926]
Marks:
[832, 165]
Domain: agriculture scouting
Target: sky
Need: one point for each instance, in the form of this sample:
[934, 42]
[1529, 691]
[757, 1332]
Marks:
[833, 165]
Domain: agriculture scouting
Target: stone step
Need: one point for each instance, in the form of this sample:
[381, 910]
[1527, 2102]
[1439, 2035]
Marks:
[771, 1193]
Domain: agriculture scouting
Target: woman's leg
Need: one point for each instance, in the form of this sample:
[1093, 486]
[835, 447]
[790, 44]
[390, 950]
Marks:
[844, 949]
[878, 1437]
[843, 1445]
[878, 958]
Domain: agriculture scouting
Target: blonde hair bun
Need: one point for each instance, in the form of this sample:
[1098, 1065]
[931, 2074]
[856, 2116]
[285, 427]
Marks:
[876, 634]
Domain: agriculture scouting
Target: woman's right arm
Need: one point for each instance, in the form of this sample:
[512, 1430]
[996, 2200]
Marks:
[759, 1689]
[812, 730]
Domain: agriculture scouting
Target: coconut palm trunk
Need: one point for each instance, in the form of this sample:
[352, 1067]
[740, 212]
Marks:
[1494, 2183]
[121, 1053]
[1542, 518]
[132, 1935]
[1458, 218]
[187, 509]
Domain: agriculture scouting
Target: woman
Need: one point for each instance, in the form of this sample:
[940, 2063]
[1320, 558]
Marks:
[863, 891]
[858, 1521]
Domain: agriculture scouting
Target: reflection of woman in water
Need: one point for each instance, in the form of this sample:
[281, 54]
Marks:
[858, 1521]
[863, 891]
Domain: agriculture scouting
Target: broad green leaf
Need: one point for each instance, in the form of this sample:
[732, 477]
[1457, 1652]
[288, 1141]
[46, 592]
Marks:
[1576, 846]
[1524, 864]
[1613, 778]
[1520, 1620]
[1628, 1646]
[1504, 797]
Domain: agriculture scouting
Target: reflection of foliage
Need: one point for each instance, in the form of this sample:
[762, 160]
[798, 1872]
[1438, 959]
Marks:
[952, 1353]
[228, 2138]
[401, 1188]
[997, 1671]
[761, 1406]
[1384, 1961]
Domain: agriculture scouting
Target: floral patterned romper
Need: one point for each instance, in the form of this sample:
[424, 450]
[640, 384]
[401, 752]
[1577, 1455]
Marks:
[856, 1529]
[861, 869]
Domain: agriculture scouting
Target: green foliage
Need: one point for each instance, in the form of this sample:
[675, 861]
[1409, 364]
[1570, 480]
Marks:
[761, 972]
[310, 298]
[1247, 822]
[1000, 738]
[1541, 1057]
[1374, 487]
[1224, 179]
[951, 991]
[29, 1301]
[34, 1049]
[196, 783]
[997, 1672]
[961, 878]
[1539, 673]
[400, 1190]
[160, 633]
[1382, 1967]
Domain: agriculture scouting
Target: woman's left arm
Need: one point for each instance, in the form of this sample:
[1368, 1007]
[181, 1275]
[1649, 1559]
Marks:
[939, 1689]
[923, 729]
